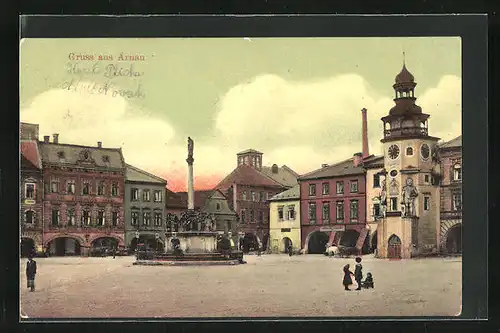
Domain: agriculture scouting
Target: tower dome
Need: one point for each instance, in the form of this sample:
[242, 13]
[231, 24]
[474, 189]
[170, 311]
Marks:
[404, 76]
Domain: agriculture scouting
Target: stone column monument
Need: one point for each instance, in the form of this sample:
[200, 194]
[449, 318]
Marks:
[190, 161]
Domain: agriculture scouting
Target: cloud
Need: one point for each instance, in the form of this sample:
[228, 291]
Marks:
[306, 123]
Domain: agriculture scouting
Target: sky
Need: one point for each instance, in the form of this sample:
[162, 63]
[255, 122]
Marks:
[297, 100]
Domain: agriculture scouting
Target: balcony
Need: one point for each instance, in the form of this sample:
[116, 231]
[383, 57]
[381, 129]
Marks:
[406, 132]
[451, 215]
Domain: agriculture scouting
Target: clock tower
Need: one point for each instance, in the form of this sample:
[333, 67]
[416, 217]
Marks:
[410, 185]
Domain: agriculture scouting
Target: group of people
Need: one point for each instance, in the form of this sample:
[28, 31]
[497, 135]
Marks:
[358, 277]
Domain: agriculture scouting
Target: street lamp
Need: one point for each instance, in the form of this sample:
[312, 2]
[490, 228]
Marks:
[157, 236]
[137, 234]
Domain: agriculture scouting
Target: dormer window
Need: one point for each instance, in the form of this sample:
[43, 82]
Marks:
[105, 158]
[60, 154]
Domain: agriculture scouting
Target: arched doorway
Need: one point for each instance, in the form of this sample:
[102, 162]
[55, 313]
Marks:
[394, 249]
[374, 239]
[250, 242]
[105, 242]
[349, 238]
[64, 246]
[454, 239]
[286, 243]
[27, 247]
[317, 242]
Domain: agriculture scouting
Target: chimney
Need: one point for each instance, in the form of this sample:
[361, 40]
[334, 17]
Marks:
[99, 144]
[364, 129]
[324, 165]
[274, 168]
[46, 139]
[357, 158]
[56, 138]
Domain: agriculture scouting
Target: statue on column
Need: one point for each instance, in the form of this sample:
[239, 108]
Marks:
[409, 194]
[190, 148]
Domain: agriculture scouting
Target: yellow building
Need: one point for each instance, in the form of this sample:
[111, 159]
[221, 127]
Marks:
[284, 220]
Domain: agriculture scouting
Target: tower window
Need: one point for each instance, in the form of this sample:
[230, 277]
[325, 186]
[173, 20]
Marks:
[376, 180]
[427, 203]
[394, 204]
[409, 151]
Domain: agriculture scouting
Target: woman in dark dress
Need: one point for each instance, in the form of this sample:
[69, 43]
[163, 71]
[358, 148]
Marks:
[347, 277]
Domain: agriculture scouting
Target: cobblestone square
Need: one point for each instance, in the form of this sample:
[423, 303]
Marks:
[267, 286]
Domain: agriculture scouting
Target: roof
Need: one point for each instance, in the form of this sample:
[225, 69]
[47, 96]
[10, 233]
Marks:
[285, 176]
[30, 151]
[174, 200]
[404, 76]
[133, 174]
[373, 162]
[74, 154]
[249, 151]
[247, 175]
[27, 165]
[455, 143]
[200, 197]
[290, 194]
[343, 168]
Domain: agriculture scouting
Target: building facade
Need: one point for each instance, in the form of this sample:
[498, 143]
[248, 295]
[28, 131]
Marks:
[451, 196]
[31, 197]
[333, 206]
[83, 197]
[248, 190]
[284, 221]
[144, 209]
[411, 223]
[375, 180]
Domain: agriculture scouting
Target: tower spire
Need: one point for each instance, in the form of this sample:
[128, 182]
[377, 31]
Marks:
[404, 63]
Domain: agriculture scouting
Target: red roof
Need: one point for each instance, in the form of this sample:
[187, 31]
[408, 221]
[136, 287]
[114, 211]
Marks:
[175, 200]
[29, 149]
[247, 175]
[199, 197]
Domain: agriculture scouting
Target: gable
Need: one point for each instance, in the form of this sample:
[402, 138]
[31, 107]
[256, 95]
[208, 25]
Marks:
[134, 174]
[247, 175]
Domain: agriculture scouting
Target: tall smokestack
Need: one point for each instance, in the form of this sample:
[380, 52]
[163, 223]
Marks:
[364, 129]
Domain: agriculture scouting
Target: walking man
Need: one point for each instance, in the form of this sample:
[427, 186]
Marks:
[31, 272]
[358, 273]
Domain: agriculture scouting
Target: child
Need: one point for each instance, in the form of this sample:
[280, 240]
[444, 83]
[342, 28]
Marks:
[368, 282]
[358, 274]
[347, 281]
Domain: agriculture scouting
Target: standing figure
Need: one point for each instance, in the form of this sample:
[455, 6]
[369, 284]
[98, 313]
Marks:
[409, 194]
[347, 281]
[290, 249]
[31, 272]
[358, 272]
[190, 147]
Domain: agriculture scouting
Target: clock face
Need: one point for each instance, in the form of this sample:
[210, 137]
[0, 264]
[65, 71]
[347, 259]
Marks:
[393, 152]
[425, 151]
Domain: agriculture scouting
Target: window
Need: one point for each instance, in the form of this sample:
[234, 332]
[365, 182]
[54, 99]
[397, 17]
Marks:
[86, 188]
[457, 172]
[105, 158]
[457, 201]
[146, 218]
[60, 154]
[114, 189]
[426, 179]
[394, 204]
[312, 212]
[244, 195]
[146, 195]
[326, 211]
[312, 190]
[29, 217]
[135, 194]
[217, 206]
[253, 196]
[55, 217]
[354, 186]
[135, 218]
[409, 151]
[280, 213]
[100, 188]
[100, 217]
[376, 210]
[326, 188]
[268, 195]
[158, 219]
[252, 216]
[291, 212]
[262, 196]
[71, 187]
[86, 217]
[242, 216]
[114, 219]
[54, 186]
[71, 217]
[427, 202]
[354, 210]
[261, 216]
[30, 191]
[376, 180]
[340, 211]
[340, 187]
[158, 196]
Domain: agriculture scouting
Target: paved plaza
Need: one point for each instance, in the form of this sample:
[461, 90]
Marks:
[270, 285]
